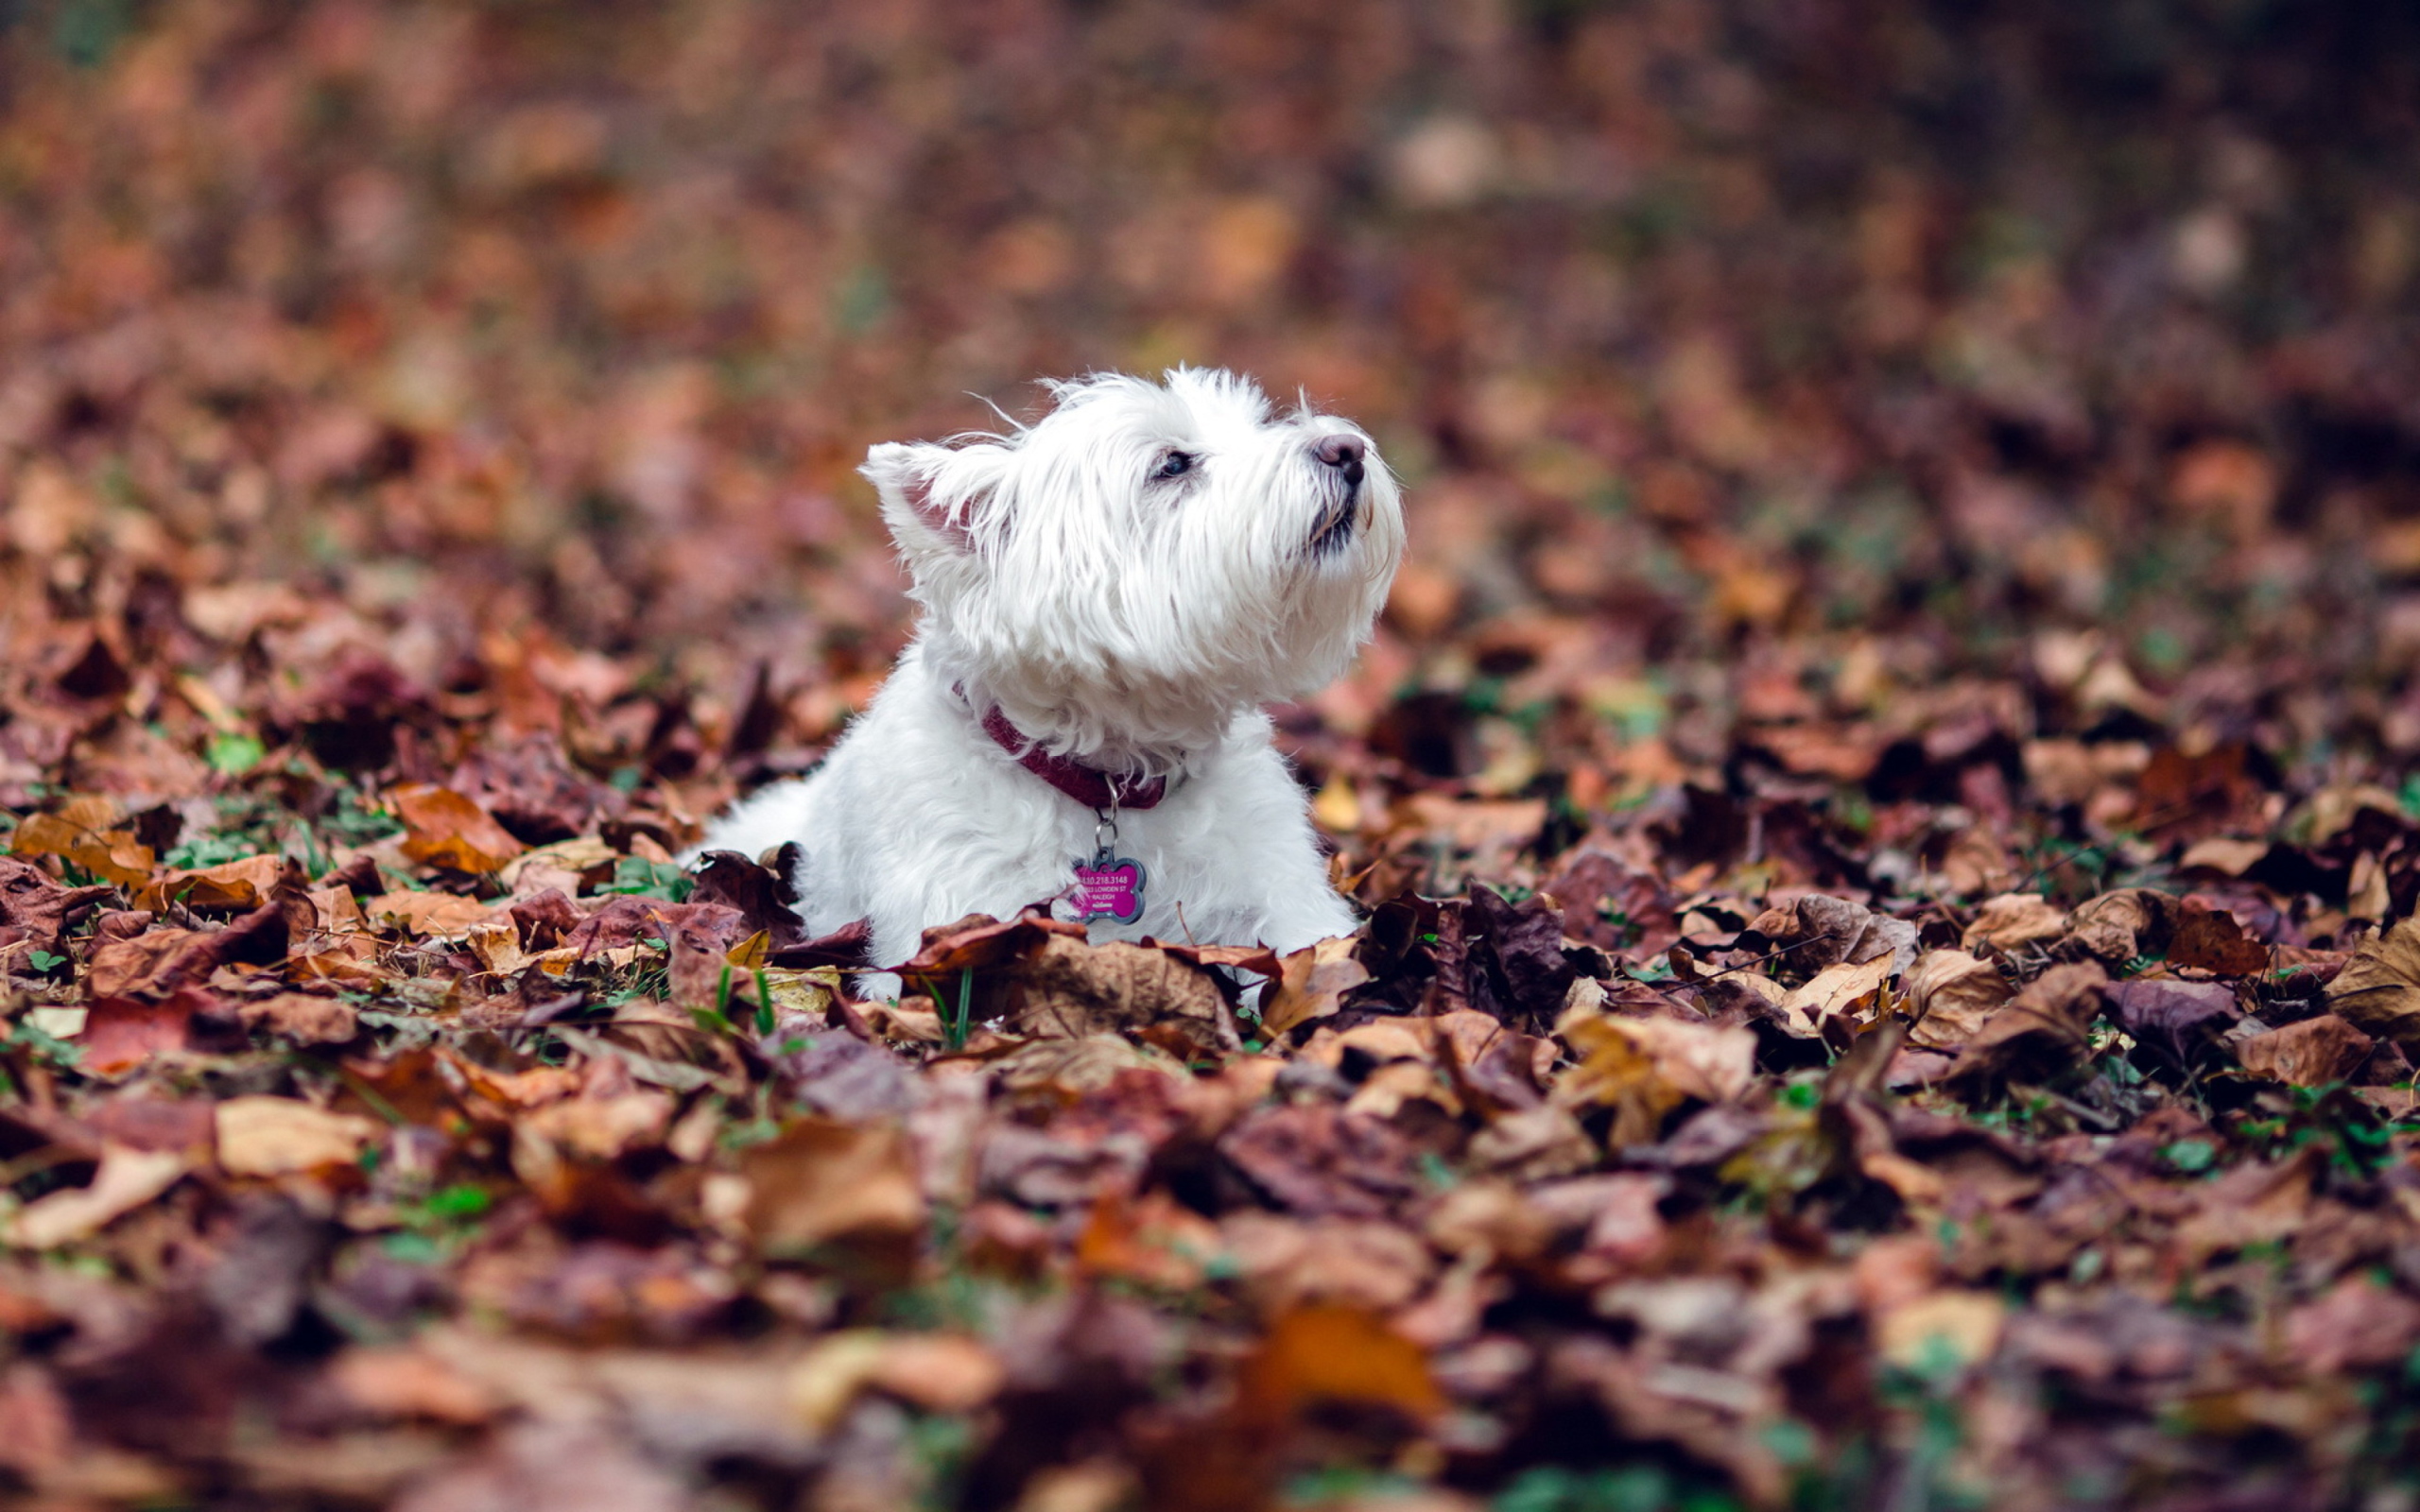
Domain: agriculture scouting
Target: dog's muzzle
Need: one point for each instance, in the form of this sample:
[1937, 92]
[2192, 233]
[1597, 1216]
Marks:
[1341, 461]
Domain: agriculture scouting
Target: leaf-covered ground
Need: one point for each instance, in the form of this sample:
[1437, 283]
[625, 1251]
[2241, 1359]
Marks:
[1884, 796]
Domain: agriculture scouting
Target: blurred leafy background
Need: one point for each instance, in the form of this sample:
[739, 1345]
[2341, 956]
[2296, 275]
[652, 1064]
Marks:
[1874, 329]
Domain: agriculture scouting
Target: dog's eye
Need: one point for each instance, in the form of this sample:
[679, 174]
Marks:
[1175, 465]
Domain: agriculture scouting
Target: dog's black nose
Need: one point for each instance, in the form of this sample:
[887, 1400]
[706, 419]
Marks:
[1343, 453]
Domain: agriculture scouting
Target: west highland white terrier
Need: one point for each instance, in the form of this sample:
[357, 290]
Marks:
[1110, 597]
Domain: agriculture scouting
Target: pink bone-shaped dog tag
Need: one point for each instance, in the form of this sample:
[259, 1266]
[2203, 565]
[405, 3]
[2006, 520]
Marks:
[1113, 892]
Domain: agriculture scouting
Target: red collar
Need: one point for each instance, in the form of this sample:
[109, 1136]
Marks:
[1088, 785]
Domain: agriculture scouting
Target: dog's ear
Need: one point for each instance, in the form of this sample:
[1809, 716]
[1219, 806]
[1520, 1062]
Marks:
[936, 498]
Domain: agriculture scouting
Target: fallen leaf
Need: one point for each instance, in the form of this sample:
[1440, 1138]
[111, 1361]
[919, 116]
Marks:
[161, 960]
[121, 1034]
[1080, 1065]
[1951, 1325]
[1336, 1354]
[124, 1180]
[2014, 921]
[1820, 931]
[1841, 990]
[1701, 1060]
[600, 1126]
[441, 828]
[112, 855]
[1311, 985]
[585, 858]
[1317, 1160]
[2115, 927]
[2227, 858]
[407, 1381]
[2209, 940]
[2252, 1204]
[2378, 989]
[301, 1018]
[934, 1372]
[2180, 1019]
[1645, 1068]
[1953, 993]
[762, 896]
[31, 902]
[1534, 1144]
[245, 884]
[2356, 1324]
[818, 1181]
[2310, 1054]
[825, 1383]
[2044, 1028]
[282, 1135]
[1065, 989]
[432, 915]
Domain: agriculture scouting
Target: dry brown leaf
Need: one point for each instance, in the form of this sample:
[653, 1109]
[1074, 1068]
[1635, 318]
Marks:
[2046, 1027]
[1067, 990]
[124, 1180]
[820, 1181]
[434, 915]
[281, 1136]
[2117, 926]
[2311, 1053]
[2378, 989]
[1483, 827]
[2209, 940]
[937, 1372]
[2227, 858]
[1384, 1091]
[1286, 1264]
[442, 828]
[1644, 1068]
[1375, 1042]
[1702, 1060]
[1535, 1145]
[599, 1126]
[112, 855]
[2251, 1204]
[1841, 990]
[305, 1019]
[1310, 985]
[1338, 1354]
[1154, 1239]
[1952, 992]
[2014, 921]
[585, 859]
[1820, 930]
[121, 1034]
[1083, 1065]
[245, 884]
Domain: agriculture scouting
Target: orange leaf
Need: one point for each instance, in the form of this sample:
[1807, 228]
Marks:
[1333, 1353]
[244, 884]
[112, 855]
[444, 829]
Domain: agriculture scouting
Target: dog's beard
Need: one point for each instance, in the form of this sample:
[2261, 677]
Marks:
[1332, 532]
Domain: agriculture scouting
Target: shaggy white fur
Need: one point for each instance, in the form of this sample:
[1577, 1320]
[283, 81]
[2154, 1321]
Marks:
[1128, 580]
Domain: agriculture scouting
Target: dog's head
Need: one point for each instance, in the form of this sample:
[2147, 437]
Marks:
[1127, 573]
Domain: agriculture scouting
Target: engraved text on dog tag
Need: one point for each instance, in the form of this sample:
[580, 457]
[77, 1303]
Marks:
[1111, 888]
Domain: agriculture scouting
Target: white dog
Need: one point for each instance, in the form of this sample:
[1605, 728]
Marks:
[1110, 596]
